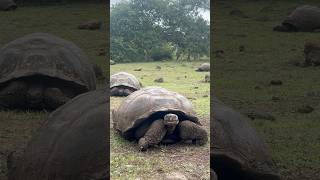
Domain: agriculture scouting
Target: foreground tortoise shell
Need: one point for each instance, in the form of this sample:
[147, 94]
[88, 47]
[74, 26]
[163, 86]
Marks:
[141, 105]
[304, 18]
[204, 67]
[236, 151]
[72, 144]
[46, 55]
[124, 80]
[6, 5]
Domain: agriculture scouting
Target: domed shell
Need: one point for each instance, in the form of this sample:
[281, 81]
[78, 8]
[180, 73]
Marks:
[140, 105]
[47, 55]
[7, 5]
[124, 79]
[304, 18]
[72, 144]
[204, 67]
[235, 143]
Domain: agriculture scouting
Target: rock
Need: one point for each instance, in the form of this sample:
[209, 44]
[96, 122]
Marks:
[176, 176]
[207, 78]
[276, 82]
[312, 54]
[139, 69]
[241, 48]
[238, 13]
[158, 67]
[305, 109]
[159, 80]
[261, 115]
[112, 62]
[257, 87]
[275, 98]
[90, 25]
[205, 95]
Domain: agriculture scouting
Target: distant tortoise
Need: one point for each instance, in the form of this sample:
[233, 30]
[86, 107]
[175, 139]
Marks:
[236, 151]
[7, 5]
[123, 84]
[42, 71]
[71, 145]
[153, 115]
[304, 18]
[204, 67]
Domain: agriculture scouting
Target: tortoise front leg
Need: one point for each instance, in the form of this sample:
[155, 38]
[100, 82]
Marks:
[126, 92]
[154, 135]
[188, 130]
[54, 97]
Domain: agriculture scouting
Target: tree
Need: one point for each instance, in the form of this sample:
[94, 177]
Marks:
[140, 28]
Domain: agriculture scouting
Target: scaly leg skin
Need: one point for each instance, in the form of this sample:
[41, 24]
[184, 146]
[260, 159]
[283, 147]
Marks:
[154, 135]
[13, 95]
[54, 97]
[126, 92]
[142, 129]
[188, 130]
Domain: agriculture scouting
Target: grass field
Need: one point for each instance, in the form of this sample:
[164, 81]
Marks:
[16, 128]
[157, 163]
[241, 79]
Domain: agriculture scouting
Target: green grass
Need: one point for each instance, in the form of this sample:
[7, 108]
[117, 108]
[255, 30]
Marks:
[16, 128]
[192, 161]
[293, 139]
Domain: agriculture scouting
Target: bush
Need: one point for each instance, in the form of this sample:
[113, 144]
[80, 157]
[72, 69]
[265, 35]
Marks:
[162, 53]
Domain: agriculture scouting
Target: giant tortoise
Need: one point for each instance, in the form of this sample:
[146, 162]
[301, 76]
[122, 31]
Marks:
[42, 71]
[304, 18]
[71, 145]
[7, 5]
[236, 151]
[153, 115]
[123, 84]
[205, 67]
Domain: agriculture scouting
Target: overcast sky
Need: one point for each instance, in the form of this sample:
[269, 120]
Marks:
[205, 14]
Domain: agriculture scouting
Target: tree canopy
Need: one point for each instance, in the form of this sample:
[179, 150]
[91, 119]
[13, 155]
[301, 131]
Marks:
[159, 29]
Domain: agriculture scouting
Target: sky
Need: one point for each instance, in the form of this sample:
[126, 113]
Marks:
[204, 14]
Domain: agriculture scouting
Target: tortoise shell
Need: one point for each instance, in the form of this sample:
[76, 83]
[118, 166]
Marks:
[46, 55]
[304, 18]
[72, 144]
[6, 5]
[125, 80]
[236, 150]
[204, 67]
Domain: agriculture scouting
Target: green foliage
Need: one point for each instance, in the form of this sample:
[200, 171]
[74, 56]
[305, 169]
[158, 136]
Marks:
[141, 30]
[162, 53]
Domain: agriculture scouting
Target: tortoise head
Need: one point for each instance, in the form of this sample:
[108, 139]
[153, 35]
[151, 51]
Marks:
[171, 120]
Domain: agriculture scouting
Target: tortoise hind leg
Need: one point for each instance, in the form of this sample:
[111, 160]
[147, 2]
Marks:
[188, 130]
[54, 97]
[13, 95]
[154, 135]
